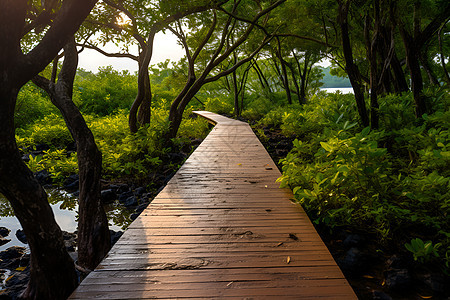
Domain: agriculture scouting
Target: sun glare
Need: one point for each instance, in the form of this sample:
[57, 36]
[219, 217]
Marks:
[122, 20]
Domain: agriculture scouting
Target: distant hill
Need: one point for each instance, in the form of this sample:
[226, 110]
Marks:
[330, 81]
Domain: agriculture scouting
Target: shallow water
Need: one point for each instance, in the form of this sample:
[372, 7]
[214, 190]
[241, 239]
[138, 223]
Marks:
[65, 208]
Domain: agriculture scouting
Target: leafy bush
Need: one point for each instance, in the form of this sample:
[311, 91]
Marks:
[32, 105]
[50, 130]
[392, 183]
[218, 106]
[106, 92]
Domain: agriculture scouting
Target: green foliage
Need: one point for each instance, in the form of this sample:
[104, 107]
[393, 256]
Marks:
[32, 105]
[105, 92]
[394, 183]
[50, 130]
[332, 111]
[422, 251]
[124, 154]
[218, 106]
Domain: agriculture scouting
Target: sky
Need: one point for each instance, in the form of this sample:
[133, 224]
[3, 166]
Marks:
[165, 47]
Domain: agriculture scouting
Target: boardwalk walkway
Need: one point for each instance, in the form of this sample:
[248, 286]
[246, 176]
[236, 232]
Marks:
[222, 229]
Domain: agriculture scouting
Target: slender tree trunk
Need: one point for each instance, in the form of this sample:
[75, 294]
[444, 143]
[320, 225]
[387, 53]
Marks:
[400, 83]
[235, 94]
[441, 54]
[426, 66]
[93, 234]
[145, 109]
[412, 60]
[351, 68]
[143, 101]
[264, 82]
[284, 76]
[294, 80]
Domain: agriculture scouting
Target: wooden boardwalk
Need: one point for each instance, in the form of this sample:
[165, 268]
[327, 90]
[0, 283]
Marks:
[221, 229]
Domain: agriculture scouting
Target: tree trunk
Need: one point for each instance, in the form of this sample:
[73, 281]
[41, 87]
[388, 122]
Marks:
[235, 94]
[400, 83]
[303, 77]
[140, 111]
[284, 76]
[93, 234]
[412, 60]
[145, 109]
[52, 273]
[350, 67]
[441, 54]
[426, 66]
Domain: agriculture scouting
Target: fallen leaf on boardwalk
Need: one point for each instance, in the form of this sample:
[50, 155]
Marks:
[288, 260]
[265, 186]
[239, 164]
[279, 244]
[230, 283]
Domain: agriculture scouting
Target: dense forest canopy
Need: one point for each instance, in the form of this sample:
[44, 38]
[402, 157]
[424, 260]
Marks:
[254, 59]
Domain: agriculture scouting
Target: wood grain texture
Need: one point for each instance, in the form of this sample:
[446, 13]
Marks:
[220, 229]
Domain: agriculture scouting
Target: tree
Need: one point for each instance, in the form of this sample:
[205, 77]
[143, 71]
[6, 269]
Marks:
[52, 273]
[214, 55]
[146, 19]
[350, 66]
[415, 36]
[94, 239]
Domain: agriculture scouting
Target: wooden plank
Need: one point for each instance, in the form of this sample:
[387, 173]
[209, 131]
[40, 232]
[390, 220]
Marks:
[221, 228]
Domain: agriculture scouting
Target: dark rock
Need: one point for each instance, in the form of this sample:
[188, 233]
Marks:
[70, 241]
[123, 188]
[108, 196]
[4, 232]
[115, 235]
[139, 191]
[352, 240]
[130, 201]
[43, 177]
[12, 252]
[21, 236]
[114, 187]
[352, 263]
[134, 216]
[125, 195]
[42, 147]
[196, 142]
[71, 183]
[398, 279]
[436, 282]
[24, 260]
[17, 283]
[4, 241]
[397, 262]
[379, 295]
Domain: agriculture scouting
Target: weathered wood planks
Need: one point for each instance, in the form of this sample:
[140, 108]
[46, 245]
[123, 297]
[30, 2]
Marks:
[222, 229]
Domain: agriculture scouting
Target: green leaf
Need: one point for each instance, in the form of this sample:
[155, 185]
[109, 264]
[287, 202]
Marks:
[365, 131]
[326, 146]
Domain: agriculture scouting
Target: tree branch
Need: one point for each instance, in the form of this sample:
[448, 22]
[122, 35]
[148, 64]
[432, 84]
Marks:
[118, 55]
